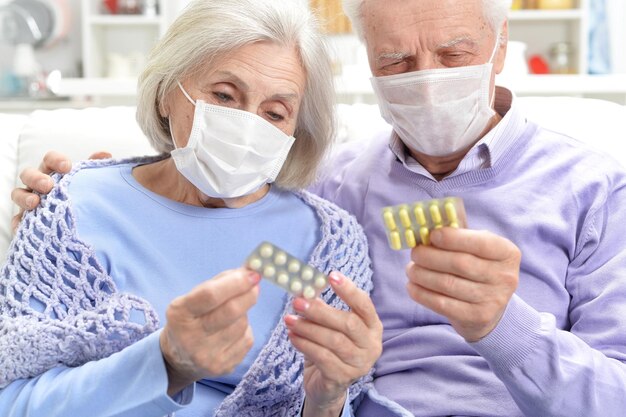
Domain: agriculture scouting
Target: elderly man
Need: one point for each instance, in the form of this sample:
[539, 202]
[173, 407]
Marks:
[524, 314]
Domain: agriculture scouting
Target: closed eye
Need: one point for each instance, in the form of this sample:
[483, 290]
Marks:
[223, 97]
[275, 117]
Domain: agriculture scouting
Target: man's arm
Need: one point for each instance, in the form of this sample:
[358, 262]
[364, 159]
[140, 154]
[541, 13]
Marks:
[38, 180]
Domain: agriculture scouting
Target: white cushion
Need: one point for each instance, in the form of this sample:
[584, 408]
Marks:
[79, 133]
[600, 123]
[11, 125]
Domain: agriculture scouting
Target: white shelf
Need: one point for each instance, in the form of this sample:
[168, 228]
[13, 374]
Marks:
[121, 20]
[100, 87]
[533, 84]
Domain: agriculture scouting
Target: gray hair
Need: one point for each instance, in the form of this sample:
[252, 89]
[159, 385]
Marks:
[207, 30]
[495, 12]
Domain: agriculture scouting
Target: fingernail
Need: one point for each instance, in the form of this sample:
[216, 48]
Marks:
[300, 304]
[254, 277]
[64, 166]
[336, 278]
[435, 237]
[31, 201]
[290, 320]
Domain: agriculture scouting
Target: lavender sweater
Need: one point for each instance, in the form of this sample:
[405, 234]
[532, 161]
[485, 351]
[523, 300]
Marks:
[560, 348]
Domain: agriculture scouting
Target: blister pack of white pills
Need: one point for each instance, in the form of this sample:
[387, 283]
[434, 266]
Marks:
[288, 272]
[408, 225]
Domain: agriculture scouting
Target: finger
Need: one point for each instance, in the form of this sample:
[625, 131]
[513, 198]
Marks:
[209, 295]
[480, 243]
[333, 368]
[55, 162]
[25, 199]
[449, 307]
[359, 302]
[234, 309]
[100, 155]
[36, 180]
[451, 285]
[325, 316]
[335, 341]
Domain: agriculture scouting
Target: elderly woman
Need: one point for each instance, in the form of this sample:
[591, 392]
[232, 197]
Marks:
[237, 96]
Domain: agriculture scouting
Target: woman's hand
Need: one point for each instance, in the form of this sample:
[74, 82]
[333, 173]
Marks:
[207, 331]
[39, 180]
[339, 346]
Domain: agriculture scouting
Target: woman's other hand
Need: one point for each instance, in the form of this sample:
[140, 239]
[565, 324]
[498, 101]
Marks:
[207, 331]
[39, 180]
[339, 346]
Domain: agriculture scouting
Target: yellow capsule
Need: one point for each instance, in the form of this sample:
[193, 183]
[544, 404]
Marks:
[455, 225]
[420, 215]
[435, 215]
[405, 219]
[425, 235]
[451, 213]
[389, 220]
[394, 240]
[409, 236]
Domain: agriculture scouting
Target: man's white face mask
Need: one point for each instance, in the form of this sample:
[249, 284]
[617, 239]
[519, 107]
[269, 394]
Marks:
[230, 152]
[440, 111]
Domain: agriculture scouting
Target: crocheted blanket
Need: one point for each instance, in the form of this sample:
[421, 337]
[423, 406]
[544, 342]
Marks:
[59, 307]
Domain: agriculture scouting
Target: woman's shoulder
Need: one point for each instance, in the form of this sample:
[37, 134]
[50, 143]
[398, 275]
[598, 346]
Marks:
[96, 176]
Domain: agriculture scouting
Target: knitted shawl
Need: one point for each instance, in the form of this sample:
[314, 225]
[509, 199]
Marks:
[83, 317]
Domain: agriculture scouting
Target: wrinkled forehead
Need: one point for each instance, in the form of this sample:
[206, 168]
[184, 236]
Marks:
[400, 24]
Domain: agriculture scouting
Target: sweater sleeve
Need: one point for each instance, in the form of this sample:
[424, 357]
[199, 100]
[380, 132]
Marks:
[580, 370]
[132, 382]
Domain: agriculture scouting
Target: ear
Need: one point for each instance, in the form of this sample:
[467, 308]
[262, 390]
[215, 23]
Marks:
[503, 39]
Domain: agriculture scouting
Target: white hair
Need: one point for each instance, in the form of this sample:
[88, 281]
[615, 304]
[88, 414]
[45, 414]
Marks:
[495, 12]
[207, 30]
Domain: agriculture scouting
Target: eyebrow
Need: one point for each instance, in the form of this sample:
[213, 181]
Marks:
[399, 56]
[392, 56]
[230, 77]
[460, 40]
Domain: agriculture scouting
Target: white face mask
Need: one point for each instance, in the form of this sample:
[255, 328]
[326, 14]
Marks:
[230, 152]
[440, 111]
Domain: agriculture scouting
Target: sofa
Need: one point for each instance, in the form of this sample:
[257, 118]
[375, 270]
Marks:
[25, 138]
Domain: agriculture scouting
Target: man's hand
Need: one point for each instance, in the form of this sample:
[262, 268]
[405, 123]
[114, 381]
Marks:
[466, 275]
[39, 180]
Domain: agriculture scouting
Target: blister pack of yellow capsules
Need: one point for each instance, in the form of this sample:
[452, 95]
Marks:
[288, 272]
[409, 225]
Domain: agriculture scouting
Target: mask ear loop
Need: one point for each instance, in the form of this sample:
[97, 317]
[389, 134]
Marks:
[493, 55]
[185, 93]
[169, 122]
